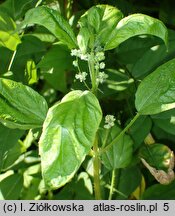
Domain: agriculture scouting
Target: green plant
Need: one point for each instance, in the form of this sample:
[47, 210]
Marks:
[77, 133]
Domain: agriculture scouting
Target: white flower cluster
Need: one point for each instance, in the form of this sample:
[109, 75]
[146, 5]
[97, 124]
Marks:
[81, 76]
[109, 120]
[98, 64]
[79, 54]
[101, 77]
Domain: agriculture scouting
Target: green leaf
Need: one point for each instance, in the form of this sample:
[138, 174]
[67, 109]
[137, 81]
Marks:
[166, 121]
[16, 9]
[153, 57]
[68, 134]
[160, 192]
[80, 188]
[54, 66]
[156, 155]
[129, 52]
[160, 134]
[136, 24]
[31, 192]
[8, 38]
[9, 141]
[83, 39]
[25, 53]
[120, 154]
[31, 72]
[139, 130]
[117, 80]
[20, 106]
[128, 180]
[54, 22]
[10, 187]
[96, 25]
[156, 93]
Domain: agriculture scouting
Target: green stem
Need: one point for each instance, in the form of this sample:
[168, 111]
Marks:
[121, 133]
[38, 3]
[69, 8]
[96, 166]
[96, 162]
[79, 70]
[11, 61]
[116, 191]
[92, 73]
[112, 185]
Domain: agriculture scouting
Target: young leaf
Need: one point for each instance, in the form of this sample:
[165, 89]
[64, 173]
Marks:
[156, 93]
[120, 154]
[20, 106]
[96, 26]
[8, 38]
[136, 24]
[68, 134]
[54, 22]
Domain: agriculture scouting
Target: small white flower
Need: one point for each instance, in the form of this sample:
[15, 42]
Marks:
[97, 66]
[81, 76]
[109, 120]
[102, 65]
[84, 57]
[75, 63]
[75, 52]
[100, 56]
[101, 77]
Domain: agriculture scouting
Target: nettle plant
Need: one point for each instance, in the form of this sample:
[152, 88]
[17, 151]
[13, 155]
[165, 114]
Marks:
[75, 131]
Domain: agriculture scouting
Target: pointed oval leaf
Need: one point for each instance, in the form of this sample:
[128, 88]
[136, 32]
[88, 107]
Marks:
[20, 106]
[127, 181]
[68, 134]
[96, 26]
[11, 186]
[136, 24]
[156, 93]
[8, 38]
[54, 22]
[120, 154]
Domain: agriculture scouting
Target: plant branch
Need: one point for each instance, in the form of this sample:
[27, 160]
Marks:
[92, 73]
[121, 133]
[11, 61]
[112, 185]
[96, 165]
